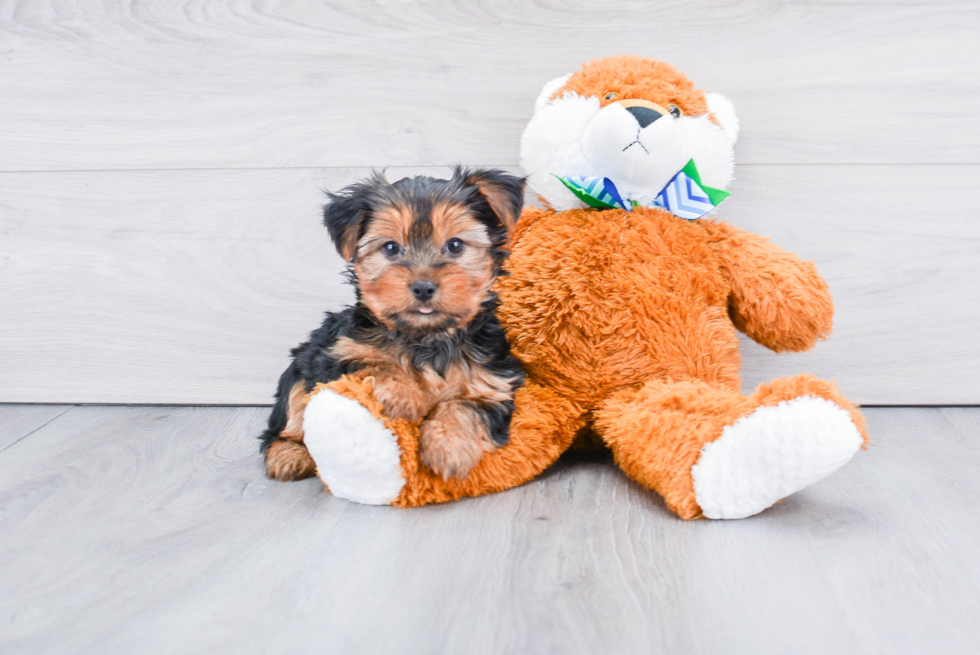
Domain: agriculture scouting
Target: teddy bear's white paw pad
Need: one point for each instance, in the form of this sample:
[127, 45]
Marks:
[356, 456]
[771, 453]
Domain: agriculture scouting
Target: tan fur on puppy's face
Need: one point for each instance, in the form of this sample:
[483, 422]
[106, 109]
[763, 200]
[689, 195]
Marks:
[423, 236]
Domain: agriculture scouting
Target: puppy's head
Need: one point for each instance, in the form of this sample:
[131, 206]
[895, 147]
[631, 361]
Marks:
[425, 251]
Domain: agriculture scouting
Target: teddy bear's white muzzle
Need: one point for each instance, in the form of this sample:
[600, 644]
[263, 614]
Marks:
[639, 155]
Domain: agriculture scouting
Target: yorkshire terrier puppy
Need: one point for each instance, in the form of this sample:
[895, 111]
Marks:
[422, 254]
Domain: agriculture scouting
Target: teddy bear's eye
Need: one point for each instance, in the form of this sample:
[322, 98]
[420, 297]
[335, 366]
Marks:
[610, 95]
[674, 111]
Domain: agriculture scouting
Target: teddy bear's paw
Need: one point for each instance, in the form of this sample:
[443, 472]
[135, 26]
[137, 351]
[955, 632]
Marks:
[356, 456]
[771, 453]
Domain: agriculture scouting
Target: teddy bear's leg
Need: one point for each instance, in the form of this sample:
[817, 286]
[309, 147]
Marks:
[356, 453]
[362, 455]
[709, 451]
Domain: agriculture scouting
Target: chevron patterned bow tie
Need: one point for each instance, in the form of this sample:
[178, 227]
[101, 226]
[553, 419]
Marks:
[684, 196]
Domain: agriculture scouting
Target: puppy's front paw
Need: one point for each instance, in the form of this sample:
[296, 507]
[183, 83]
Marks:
[287, 461]
[401, 397]
[453, 439]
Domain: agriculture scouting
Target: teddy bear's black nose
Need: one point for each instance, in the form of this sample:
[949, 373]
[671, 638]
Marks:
[644, 115]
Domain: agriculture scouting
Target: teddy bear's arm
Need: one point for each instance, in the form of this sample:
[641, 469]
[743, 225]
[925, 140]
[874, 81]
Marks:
[777, 299]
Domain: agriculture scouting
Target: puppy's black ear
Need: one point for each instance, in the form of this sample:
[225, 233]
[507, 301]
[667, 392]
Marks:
[503, 192]
[346, 212]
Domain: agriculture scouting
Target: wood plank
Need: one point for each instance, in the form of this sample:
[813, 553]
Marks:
[139, 279]
[18, 421]
[152, 530]
[140, 84]
[192, 286]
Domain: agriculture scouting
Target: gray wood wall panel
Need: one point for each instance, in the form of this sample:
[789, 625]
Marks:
[158, 210]
[191, 286]
[153, 530]
[112, 85]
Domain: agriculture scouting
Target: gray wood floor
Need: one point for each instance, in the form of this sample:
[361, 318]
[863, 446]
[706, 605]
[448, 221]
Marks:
[152, 529]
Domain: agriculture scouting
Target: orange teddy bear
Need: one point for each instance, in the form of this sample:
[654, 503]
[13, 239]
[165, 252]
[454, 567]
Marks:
[623, 304]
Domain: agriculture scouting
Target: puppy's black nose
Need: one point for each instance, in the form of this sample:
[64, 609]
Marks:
[644, 115]
[423, 289]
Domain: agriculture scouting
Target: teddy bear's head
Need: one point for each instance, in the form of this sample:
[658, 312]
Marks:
[633, 121]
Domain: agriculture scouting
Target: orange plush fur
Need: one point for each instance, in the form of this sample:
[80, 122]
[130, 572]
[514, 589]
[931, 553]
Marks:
[626, 76]
[633, 316]
[626, 323]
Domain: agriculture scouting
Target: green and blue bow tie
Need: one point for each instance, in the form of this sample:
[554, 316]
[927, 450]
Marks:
[684, 196]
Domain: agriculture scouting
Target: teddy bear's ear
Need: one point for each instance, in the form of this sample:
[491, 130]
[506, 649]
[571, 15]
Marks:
[347, 211]
[724, 112]
[549, 90]
[502, 191]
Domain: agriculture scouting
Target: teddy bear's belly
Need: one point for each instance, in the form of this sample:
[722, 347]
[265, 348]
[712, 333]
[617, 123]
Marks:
[593, 305]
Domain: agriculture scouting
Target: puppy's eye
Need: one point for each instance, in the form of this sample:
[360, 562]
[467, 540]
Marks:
[674, 111]
[454, 246]
[391, 249]
[610, 95]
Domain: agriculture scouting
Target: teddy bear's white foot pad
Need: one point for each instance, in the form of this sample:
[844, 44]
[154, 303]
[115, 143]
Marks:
[356, 456]
[771, 453]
